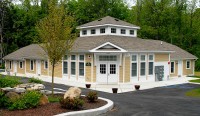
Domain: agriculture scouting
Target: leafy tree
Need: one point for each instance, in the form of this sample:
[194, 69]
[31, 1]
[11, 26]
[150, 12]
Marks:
[55, 31]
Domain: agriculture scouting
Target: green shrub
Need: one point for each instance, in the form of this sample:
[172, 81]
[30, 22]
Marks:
[29, 99]
[53, 98]
[9, 81]
[3, 100]
[35, 80]
[92, 96]
[68, 103]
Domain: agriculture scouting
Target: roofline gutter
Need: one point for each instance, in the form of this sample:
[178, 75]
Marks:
[153, 51]
[83, 27]
[184, 59]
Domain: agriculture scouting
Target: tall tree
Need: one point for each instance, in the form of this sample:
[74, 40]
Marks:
[55, 31]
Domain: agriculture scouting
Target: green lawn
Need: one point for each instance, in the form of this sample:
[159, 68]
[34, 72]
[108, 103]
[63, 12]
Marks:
[53, 98]
[193, 93]
[195, 81]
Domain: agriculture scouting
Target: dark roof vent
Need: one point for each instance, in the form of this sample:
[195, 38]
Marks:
[99, 19]
[117, 19]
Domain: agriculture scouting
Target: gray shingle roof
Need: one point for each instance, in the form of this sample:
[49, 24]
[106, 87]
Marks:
[33, 51]
[84, 44]
[108, 20]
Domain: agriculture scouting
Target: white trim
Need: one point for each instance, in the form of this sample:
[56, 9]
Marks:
[174, 67]
[152, 51]
[189, 65]
[131, 61]
[82, 61]
[108, 43]
[145, 61]
[74, 75]
[193, 66]
[84, 27]
[148, 64]
[123, 68]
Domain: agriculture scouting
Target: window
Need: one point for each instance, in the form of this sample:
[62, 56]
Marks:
[172, 67]
[151, 63]
[65, 67]
[108, 58]
[31, 65]
[73, 64]
[188, 64]
[123, 31]
[102, 30]
[134, 66]
[93, 31]
[131, 32]
[21, 64]
[81, 65]
[10, 64]
[65, 57]
[45, 64]
[113, 30]
[142, 65]
[84, 32]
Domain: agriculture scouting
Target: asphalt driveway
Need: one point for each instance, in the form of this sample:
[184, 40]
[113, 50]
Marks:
[161, 101]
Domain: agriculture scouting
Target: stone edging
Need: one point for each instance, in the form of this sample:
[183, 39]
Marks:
[91, 112]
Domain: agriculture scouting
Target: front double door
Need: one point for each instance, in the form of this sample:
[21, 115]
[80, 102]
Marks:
[107, 73]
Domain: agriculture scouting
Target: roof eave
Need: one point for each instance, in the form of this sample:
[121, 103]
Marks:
[84, 27]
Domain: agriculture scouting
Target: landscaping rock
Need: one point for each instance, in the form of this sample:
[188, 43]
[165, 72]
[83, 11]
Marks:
[7, 89]
[72, 93]
[43, 100]
[19, 90]
[12, 96]
[38, 87]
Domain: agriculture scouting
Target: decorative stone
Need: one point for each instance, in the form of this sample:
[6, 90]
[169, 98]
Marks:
[43, 100]
[72, 93]
[12, 96]
[7, 89]
[38, 87]
[19, 90]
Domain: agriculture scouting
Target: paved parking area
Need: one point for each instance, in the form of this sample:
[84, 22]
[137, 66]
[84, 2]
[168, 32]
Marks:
[161, 101]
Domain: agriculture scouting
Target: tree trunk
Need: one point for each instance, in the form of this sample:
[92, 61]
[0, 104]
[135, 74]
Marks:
[52, 84]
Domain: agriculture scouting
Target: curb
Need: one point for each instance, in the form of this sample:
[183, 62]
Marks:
[91, 112]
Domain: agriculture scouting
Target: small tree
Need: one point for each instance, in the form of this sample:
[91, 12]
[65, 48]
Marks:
[55, 32]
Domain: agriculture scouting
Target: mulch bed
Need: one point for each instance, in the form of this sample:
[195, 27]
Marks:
[50, 109]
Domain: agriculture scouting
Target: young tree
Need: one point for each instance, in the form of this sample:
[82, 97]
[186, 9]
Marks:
[55, 32]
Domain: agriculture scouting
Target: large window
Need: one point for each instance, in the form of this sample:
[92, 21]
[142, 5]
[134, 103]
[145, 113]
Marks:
[73, 64]
[134, 66]
[151, 64]
[142, 65]
[188, 64]
[107, 58]
[81, 65]
[172, 67]
[65, 64]
[113, 30]
[31, 65]
[102, 30]
[21, 64]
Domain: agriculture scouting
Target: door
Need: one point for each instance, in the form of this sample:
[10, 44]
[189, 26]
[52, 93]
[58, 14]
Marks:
[38, 67]
[180, 68]
[107, 73]
[15, 66]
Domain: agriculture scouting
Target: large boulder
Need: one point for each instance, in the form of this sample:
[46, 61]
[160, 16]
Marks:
[12, 96]
[19, 90]
[72, 93]
[43, 100]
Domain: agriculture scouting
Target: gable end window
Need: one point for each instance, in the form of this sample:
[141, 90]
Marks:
[172, 67]
[123, 31]
[93, 31]
[113, 30]
[32, 65]
[102, 30]
[84, 32]
[131, 32]
[188, 64]
[21, 64]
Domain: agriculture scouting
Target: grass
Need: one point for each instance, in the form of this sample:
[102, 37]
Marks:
[195, 81]
[53, 98]
[193, 93]
[35, 80]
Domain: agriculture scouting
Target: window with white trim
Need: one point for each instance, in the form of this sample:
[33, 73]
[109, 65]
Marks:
[93, 31]
[123, 31]
[21, 64]
[131, 32]
[188, 64]
[151, 64]
[73, 64]
[142, 65]
[134, 66]
[45, 64]
[65, 64]
[81, 65]
[10, 64]
[84, 32]
[172, 64]
[113, 30]
[102, 30]
[32, 65]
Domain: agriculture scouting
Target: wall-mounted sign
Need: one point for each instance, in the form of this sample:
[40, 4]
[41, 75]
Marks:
[88, 64]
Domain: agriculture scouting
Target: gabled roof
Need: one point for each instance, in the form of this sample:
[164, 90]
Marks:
[108, 20]
[33, 51]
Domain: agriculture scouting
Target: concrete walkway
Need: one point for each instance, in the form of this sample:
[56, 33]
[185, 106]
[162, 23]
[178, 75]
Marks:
[128, 87]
